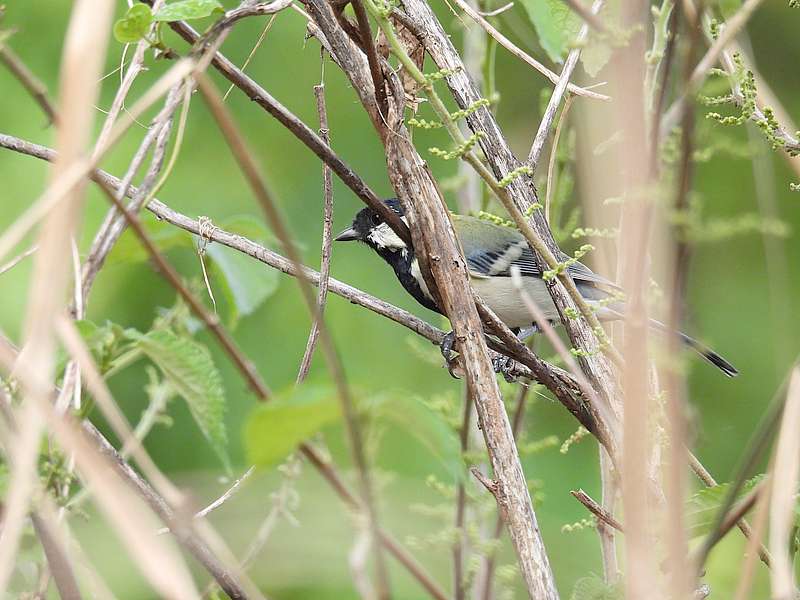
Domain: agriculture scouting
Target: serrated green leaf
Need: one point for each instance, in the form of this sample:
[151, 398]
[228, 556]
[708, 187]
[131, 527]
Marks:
[134, 25]
[594, 588]
[556, 25]
[705, 504]
[185, 10]
[188, 366]
[276, 428]
[247, 283]
[429, 427]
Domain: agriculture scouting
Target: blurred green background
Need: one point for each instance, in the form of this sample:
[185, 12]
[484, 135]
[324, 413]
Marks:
[730, 306]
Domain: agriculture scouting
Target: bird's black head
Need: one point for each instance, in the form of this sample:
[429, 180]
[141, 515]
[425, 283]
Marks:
[370, 228]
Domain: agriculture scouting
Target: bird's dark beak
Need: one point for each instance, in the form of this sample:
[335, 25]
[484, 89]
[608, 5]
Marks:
[348, 235]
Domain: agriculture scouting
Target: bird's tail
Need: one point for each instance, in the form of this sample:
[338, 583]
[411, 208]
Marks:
[703, 350]
[707, 353]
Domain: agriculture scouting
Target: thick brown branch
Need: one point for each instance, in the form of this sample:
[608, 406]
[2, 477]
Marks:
[435, 243]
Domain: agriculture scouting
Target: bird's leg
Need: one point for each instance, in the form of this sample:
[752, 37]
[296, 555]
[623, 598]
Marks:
[448, 341]
[505, 365]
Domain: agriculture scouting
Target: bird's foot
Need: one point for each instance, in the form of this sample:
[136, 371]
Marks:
[446, 347]
[505, 366]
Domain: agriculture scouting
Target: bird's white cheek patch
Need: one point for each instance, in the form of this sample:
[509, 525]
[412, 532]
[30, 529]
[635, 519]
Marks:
[383, 237]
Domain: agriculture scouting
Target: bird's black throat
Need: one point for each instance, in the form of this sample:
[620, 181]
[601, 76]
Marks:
[401, 260]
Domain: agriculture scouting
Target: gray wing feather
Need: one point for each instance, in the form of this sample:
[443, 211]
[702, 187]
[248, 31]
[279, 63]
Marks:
[484, 263]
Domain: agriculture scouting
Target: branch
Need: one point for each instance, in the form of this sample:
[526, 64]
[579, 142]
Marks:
[558, 93]
[522, 194]
[597, 510]
[29, 81]
[522, 55]
[436, 244]
[327, 235]
[372, 56]
[490, 558]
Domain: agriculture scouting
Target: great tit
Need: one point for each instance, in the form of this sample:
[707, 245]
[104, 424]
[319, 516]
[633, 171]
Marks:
[491, 250]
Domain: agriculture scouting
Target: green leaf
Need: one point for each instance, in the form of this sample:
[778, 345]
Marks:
[185, 10]
[248, 226]
[705, 504]
[594, 588]
[414, 416]
[134, 25]
[556, 25]
[247, 283]
[595, 55]
[276, 428]
[188, 366]
[165, 236]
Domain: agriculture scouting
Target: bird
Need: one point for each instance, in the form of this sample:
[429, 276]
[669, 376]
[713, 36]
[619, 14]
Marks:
[493, 252]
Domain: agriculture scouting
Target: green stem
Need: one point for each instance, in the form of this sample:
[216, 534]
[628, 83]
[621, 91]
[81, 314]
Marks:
[123, 361]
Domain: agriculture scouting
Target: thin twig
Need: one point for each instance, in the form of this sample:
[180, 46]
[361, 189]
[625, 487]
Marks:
[597, 510]
[372, 55]
[219, 501]
[29, 81]
[524, 56]
[755, 539]
[253, 51]
[17, 259]
[727, 35]
[327, 235]
[539, 319]
[56, 552]
[558, 92]
[551, 165]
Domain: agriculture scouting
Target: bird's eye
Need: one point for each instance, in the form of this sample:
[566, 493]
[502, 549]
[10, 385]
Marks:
[376, 219]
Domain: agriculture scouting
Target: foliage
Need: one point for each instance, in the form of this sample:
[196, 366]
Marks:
[188, 366]
[136, 22]
[705, 504]
[276, 428]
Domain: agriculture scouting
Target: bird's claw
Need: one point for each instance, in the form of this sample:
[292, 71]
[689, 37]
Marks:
[446, 347]
[505, 366]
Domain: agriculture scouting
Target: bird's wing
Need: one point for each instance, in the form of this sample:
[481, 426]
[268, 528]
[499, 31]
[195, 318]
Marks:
[491, 250]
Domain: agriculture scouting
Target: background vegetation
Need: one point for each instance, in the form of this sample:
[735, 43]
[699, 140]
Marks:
[306, 555]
